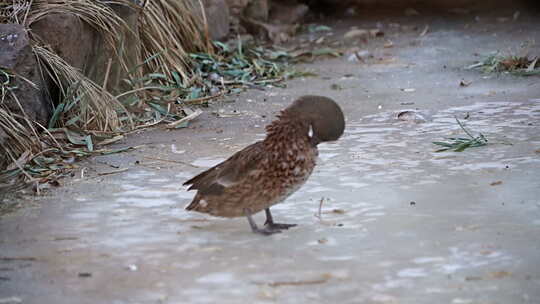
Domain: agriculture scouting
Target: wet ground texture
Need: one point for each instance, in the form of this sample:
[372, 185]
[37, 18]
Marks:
[398, 222]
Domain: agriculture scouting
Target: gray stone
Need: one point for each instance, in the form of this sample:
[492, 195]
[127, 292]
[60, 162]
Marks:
[217, 15]
[17, 58]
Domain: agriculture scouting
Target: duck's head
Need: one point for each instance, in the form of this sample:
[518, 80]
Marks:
[323, 115]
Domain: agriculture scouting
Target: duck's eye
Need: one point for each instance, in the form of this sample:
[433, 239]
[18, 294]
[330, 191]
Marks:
[310, 131]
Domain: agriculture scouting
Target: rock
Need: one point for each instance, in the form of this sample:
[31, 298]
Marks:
[91, 53]
[258, 10]
[217, 15]
[96, 64]
[277, 33]
[285, 13]
[60, 31]
[236, 9]
[16, 57]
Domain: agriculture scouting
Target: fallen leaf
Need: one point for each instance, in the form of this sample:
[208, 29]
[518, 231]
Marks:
[356, 33]
[472, 278]
[388, 44]
[499, 274]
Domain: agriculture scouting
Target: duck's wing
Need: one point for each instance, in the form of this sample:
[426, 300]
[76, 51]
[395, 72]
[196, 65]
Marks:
[230, 172]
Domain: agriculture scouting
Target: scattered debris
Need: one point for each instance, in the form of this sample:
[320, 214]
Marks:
[411, 116]
[9, 259]
[338, 211]
[336, 86]
[459, 144]
[322, 241]
[172, 161]
[472, 278]
[319, 213]
[356, 33]
[412, 203]
[424, 31]
[496, 183]
[358, 55]
[132, 267]
[376, 32]
[84, 274]
[408, 90]
[464, 83]
[499, 274]
[516, 65]
[388, 44]
[315, 28]
[183, 123]
[65, 238]
[323, 279]
[113, 172]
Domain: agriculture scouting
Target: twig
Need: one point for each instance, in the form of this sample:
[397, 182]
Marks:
[113, 172]
[322, 280]
[424, 32]
[202, 99]
[319, 214]
[172, 161]
[463, 128]
[190, 117]
[18, 259]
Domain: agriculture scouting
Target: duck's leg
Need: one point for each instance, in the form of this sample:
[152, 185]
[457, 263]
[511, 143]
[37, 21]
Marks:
[270, 222]
[265, 231]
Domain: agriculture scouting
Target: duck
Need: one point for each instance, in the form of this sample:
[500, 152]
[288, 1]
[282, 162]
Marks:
[266, 172]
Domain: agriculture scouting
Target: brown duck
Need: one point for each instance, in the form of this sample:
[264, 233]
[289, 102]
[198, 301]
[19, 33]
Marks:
[268, 171]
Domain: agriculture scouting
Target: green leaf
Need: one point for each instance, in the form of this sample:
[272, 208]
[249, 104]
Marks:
[54, 119]
[314, 28]
[89, 144]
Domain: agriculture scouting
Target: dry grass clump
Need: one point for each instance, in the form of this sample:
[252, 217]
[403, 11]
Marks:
[88, 114]
[169, 32]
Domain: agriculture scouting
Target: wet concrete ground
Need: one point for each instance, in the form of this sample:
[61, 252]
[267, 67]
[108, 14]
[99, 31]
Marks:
[399, 222]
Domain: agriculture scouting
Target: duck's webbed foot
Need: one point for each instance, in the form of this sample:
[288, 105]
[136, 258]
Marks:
[264, 231]
[276, 226]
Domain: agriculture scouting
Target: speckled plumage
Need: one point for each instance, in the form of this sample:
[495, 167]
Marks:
[267, 172]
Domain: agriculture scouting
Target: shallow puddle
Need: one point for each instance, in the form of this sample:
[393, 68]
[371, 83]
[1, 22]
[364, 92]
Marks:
[398, 222]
